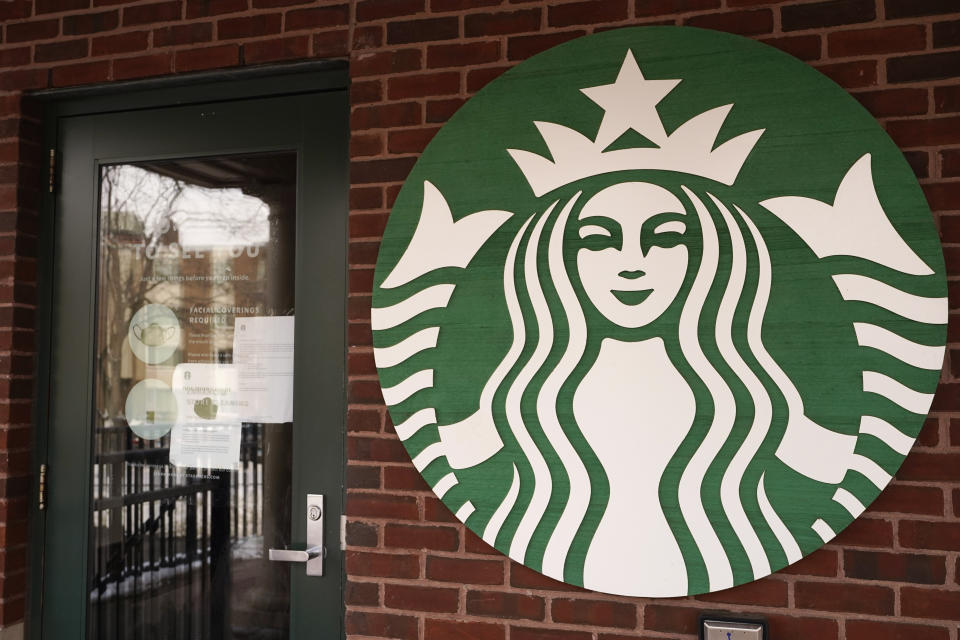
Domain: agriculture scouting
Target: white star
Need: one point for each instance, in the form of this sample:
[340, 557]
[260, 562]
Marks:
[630, 103]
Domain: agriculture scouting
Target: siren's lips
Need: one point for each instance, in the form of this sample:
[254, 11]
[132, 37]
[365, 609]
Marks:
[631, 298]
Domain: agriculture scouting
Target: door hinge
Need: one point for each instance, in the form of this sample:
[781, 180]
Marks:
[343, 533]
[53, 170]
[42, 489]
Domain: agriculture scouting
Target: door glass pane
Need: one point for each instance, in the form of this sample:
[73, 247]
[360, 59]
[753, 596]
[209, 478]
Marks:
[192, 430]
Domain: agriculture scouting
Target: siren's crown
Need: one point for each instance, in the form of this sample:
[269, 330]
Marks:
[631, 103]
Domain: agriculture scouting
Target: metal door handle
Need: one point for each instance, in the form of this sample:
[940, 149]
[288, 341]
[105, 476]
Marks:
[295, 555]
[315, 552]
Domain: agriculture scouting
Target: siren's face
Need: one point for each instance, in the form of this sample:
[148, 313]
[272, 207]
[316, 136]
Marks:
[631, 262]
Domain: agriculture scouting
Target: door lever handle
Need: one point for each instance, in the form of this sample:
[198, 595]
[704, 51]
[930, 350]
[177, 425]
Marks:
[315, 552]
[296, 555]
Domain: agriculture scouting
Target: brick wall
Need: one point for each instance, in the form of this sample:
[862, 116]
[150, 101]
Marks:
[414, 572]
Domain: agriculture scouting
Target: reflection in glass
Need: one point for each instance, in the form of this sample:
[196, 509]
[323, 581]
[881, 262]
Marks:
[178, 544]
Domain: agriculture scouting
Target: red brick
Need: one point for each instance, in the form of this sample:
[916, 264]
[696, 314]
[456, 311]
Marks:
[389, 170]
[404, 479]
[462, 55]
[406, 536]
[279, 49]
[53, 6]
[944, 196]
[890, 630]
[747, 23]
[81, 24]
[784, 627]
[950, 166]
[894, 102]
[442, 110]
[382, 565]
[363, 420]
[459, 5]
[435, 511]
[929, 603]
[369, 64]
[362, 92]
[767, 592]
[479, 78]
[384, 116]
[844, 597]
[894, 567]
[529, 633]
[921, 466]
[586, 12]
[930, 66]
[362, 534]
[248, 26]
[899, 498]
[152, 13]
[382, 506]
[650, 8]
[410, 140]
[946, 34]
[914, 8]
[946, 99]
[14, 57]
[851, 75]
[33, 30]
[954, 432]
[141, 67]
[865, 42]
[207, 58]
[823, 562]
[364, 594]
[805, 47]
[15, 9]
[671, 619]
[423, 30]
[866, 532]
[317, 17]
[416, 598]
[363, 477]
[207, 8]
[383, 9]
[381, 625]
[422, 85]
[366, 144]
[120, 43]
[523, 47]
[930, 535]
[501, 23]
[62, 50]
[376, 449]
[366, 198]
[594, 612]
[465, 570]
[368, 37]
[505, 605]
[454, 630]
[826, 14]
[191, 33]
[331, 44]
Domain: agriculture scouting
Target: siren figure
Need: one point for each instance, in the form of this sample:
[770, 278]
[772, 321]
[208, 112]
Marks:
[637, 411]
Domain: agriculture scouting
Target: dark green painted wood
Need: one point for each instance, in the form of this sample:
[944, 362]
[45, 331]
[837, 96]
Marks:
[315, 125]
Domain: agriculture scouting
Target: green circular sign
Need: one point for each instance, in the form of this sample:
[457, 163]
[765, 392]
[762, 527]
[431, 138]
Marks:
[659, 311]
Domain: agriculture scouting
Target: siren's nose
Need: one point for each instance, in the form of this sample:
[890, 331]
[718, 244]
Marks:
[632, 275]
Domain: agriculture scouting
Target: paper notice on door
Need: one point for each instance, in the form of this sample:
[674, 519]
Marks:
[263, 356]
[207, 432]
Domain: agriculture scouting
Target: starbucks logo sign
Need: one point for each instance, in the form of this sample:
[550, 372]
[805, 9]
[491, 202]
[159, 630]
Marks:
[659, 311]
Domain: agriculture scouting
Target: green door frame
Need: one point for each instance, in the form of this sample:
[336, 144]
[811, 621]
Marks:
[315, 95]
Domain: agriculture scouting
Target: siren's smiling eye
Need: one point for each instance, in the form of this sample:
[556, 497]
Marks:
[662, 230]
[602, 233]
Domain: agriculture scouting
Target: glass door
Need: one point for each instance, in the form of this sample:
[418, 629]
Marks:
[196, 368]
[192, 431]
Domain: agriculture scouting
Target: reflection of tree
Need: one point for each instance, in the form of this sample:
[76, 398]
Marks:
[135, 213]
